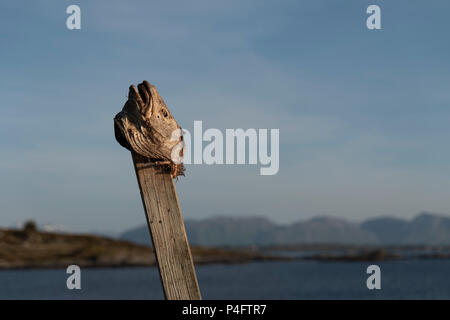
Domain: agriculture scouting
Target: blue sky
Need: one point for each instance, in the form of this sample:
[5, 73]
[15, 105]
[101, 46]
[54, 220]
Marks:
[363, 115]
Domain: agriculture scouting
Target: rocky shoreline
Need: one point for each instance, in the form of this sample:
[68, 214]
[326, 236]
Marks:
[30, 248]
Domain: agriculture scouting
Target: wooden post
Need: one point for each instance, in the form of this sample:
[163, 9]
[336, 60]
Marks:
[145, 127]
[167, 230]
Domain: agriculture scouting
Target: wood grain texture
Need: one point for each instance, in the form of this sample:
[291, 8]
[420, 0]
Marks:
[173, 254]
[146, 127]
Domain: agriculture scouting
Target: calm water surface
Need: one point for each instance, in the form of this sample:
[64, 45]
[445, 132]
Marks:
[415, 279]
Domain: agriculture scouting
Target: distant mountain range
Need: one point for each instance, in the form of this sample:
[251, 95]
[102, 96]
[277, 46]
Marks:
[425, 228]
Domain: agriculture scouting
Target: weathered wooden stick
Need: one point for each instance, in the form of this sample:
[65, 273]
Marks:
[146, 127]
[167, 230]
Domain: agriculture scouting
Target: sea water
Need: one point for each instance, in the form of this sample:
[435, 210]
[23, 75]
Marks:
[408, 279]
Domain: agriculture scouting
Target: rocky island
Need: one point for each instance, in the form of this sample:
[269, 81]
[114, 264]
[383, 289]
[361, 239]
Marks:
[31, 248]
